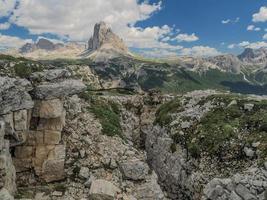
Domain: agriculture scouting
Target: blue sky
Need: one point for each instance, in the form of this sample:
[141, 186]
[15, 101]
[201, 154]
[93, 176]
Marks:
[154, 28]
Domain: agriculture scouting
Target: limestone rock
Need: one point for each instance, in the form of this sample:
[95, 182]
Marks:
[84, 173]
[134, 170]
[150, 189]
[9, 123]
[14, 95]
[58, 90]
[7, 170]
[243, 192]
[50, 75]
[4, 195]
[249, 152]
[102, 190]
[49, 162]
[48, 109]
[2, 134]
[54, 124]
[104, 35]
[248, 106]
[52, 137]
[21, 120]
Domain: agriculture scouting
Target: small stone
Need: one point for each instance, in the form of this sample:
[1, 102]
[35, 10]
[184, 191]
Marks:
[249, 152]
[84, 173]
[89, 181]
[134, 170]
[4, 195]
[21, 120]
[243, 192]
[185, 125]
[57, 193]
[102, 190]
[255, 144]
[248, 106]
[82, 153]
[233, 102]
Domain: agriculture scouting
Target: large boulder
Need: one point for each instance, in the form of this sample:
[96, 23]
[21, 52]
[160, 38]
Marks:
[50, 75]
[14, 95]
[102, 190]
[58, 90]
[134, 170]
[4, 195]
[7, 170]
[2, 134]
[48, 109]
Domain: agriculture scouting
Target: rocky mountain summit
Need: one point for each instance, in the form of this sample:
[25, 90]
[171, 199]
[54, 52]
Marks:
[42, 44]
[103, 37]
[104, 44]
[254, 56]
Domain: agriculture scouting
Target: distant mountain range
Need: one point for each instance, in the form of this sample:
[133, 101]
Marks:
[105, 45]
[111, 60]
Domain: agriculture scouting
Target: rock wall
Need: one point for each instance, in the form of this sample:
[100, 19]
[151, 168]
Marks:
[7, 169]
[43, 150]
[184, 177]
[32, 117]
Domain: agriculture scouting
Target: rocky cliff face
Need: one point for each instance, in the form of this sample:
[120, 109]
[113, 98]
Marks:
[254, 56]
[42, 44]
[46, 49]
[103, 37]
[192, 163]
[104, 44]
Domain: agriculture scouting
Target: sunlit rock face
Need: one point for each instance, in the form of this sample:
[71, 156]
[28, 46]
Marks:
[104, 37]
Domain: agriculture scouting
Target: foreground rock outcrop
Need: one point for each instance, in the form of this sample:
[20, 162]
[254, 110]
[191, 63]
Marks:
[195, 162]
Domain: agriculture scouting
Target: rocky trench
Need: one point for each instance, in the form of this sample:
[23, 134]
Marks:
[52, 147]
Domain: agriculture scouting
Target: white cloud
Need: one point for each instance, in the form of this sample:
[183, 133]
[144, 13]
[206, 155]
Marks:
[228, 21]
[6, 7]
[231, 46]
[243, 44]
[150, 37]
[186, 38]
[257, 45]
[261, 16]
[158, 53]
[264, 36]
[246, 44]
[253, 28]
[76, 19]
[200, 51]
[257, 29]
[4, 26]
[12, 42]
[250, 28]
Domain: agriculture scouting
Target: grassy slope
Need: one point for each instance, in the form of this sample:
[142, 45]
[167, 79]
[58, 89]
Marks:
[224, 131]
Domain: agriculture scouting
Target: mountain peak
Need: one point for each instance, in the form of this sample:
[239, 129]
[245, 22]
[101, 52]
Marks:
[103, 37]
[45, 44]
[254, 55]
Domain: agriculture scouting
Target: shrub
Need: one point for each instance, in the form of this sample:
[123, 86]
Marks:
[163, 114]
[22, 70]
[108, 114]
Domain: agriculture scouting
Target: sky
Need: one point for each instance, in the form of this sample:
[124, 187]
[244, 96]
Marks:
[155, 28]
